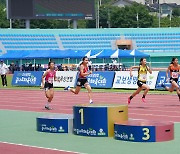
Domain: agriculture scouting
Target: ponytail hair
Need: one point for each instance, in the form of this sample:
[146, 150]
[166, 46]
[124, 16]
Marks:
[83, 59]
[173, 59]
[50, 64]
[140, 62]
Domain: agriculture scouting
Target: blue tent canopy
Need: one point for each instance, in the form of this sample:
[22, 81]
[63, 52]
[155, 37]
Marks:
[35, 54]
[40, 54]
[14, 55]
[121, 54]
[136, 53]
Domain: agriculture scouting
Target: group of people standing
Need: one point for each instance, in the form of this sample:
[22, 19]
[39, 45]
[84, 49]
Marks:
[50, 75]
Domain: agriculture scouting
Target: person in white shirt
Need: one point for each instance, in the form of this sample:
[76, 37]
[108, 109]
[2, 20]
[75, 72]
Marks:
[3, 72]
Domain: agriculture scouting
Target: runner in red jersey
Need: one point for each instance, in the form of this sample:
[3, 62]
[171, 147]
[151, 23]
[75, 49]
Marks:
[174, 69]
[82, 80]
[50, 76]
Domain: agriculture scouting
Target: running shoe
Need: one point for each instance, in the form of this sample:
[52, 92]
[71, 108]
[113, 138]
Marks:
[90, 102]
[48, 108]
[129, 100]
[67, 88]
[143, 100]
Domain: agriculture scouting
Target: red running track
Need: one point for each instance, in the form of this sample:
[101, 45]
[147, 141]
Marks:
[8, 148]
[158, 107]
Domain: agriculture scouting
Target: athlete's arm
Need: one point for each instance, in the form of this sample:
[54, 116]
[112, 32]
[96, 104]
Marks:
[132, 69]
[82, 73]
[42, 79]
[167, 71]
[149, 70]
[55, 78]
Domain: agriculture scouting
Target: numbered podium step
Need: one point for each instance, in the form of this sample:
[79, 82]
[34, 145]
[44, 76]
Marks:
[61, 123]
[97, 120]
[144, 131]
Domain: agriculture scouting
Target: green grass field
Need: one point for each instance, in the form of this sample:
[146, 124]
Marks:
[20, 127]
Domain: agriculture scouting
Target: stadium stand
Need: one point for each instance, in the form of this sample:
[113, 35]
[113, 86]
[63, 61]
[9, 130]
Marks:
[146, 40]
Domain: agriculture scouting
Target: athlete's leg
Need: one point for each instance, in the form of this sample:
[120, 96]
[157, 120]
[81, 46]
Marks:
[76, 90]
[51, 92]
[134, 94]
[48, 95]
[88, 87]
[146, 89]
[176, 86]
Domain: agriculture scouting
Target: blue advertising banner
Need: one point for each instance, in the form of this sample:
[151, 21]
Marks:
[162, 79]
[135, 133]
[90, 121]
[27, 78]
[52, 125]
[101, 79]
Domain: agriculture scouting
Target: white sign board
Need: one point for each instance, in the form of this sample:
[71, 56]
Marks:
[67, 78]
[123, 80]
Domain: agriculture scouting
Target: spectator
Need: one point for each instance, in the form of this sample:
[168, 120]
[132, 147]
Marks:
[40, 67]
[60, 67]
[17, 68]
[3, 72]
[30, 68]
[66, 68]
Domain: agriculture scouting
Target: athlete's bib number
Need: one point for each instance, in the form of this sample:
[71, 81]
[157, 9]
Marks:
[143, 77]
[174, 74]
[146, 134]
[50, 80]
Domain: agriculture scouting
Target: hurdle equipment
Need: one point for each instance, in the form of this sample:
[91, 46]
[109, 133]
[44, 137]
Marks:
[144, 131]
[97, 120]
[60, 123]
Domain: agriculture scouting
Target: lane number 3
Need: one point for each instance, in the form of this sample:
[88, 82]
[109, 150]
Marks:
[146, 134]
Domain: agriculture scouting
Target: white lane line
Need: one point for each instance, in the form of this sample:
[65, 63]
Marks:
[53, 149]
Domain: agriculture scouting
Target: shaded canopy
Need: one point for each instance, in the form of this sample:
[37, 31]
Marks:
[42, 54]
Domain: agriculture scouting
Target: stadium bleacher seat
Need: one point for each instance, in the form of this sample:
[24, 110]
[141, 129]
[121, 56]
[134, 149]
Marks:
[145, 39]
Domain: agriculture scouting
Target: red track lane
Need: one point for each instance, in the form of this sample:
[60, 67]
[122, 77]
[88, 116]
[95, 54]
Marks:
[6, 148]
[159, 107]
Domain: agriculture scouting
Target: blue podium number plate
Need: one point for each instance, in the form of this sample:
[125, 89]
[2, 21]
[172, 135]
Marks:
[135, 133]
[90, 121]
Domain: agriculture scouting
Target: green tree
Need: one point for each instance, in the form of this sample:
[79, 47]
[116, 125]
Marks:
[176, 12]
[127, 17]
[4, 23]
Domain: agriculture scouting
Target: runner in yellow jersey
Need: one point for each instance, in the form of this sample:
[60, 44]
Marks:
[142, 78]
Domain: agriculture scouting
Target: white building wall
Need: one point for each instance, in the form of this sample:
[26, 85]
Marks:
[170, 1]
[161, 1]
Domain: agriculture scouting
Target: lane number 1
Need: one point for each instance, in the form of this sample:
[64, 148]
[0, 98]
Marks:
[81, 111]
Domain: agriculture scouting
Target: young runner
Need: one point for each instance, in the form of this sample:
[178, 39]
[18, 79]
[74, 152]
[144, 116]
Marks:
[174, 70]
[82, 80]
[142, 78]
[47, 84]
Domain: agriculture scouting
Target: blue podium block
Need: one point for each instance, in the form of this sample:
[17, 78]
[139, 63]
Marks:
[62, 123]
[97, 120]
[144, 131]
[134, 133]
